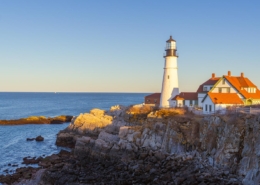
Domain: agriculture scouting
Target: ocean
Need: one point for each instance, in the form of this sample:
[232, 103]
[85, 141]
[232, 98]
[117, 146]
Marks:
[13, 144]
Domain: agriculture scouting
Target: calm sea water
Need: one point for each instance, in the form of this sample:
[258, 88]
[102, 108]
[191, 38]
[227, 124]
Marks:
[13, 144]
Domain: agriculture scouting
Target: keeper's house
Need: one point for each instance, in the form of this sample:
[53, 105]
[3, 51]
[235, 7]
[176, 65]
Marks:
[230, 91]
[216, 94]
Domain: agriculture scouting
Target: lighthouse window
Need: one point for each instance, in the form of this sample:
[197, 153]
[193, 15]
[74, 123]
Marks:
[168, 76]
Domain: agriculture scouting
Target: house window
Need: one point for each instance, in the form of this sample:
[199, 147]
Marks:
[220, 90]
[228, 90]
[205, 88]
[223, 81]
[190, 102]
[155, 101]
[210, 108]
[206, 107]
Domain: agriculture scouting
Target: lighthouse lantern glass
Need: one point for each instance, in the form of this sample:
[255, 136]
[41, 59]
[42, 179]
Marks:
[171, 45]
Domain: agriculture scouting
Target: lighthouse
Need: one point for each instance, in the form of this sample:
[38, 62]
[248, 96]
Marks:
[170, 85]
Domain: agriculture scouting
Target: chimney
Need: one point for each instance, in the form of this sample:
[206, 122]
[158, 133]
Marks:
[242, 74]
[213, 75]
[229, 73]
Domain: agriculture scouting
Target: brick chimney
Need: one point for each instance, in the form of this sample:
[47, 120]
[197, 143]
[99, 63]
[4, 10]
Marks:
[213, 75]
[242, 74]
[229, 73]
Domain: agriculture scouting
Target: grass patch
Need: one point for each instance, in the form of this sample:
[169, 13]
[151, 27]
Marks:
[170, 112]
[145, 109]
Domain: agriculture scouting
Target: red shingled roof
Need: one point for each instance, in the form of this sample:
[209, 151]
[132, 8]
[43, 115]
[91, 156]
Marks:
[241, 82]
[186, 96]
[225, 98]
[211, 81]
[154, 95]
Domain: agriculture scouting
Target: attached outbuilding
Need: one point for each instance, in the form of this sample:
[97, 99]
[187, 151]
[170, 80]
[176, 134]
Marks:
[153, 99]
[188, 99]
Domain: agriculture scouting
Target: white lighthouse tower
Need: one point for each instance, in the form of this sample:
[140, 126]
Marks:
[170, 85]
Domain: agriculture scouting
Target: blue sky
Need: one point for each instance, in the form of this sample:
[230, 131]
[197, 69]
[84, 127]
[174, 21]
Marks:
[118, 46]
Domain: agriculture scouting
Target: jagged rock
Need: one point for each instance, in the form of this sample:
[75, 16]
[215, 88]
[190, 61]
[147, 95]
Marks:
[39, 138]
[91, 122]
[66, 139]
[34, 160]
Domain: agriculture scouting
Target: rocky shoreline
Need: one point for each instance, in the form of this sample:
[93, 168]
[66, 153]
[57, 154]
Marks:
[122, 146]
[145, 168]
[38, 120]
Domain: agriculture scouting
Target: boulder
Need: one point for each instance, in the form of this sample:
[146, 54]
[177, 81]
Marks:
[39, 138]
[91, 122]
[66, 139]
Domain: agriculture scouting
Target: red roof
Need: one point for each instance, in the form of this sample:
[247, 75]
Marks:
[225, 98]
[186, 96]
[154, 95]
[240, 83]
[211, 81]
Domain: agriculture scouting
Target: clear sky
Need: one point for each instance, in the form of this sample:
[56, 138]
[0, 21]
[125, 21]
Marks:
[118, 46]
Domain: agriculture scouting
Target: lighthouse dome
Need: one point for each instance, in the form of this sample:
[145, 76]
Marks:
[170, 40]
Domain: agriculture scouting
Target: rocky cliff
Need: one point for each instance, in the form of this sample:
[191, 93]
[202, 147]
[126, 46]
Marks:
[166, 148]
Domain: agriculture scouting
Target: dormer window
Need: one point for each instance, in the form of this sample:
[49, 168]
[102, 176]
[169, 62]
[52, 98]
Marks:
[252, 90]
[205, 88]
[249, 89]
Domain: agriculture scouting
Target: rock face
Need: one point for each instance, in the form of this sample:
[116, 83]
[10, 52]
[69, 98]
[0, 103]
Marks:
[229, 142]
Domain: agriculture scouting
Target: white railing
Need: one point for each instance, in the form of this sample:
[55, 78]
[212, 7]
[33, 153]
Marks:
[235, 110]
[248, 110]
